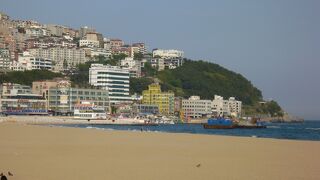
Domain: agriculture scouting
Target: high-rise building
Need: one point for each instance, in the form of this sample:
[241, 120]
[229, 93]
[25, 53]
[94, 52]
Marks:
[62, 57]
[114, 79]
[164, 100]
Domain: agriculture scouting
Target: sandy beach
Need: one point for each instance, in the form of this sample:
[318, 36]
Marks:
[43, 152]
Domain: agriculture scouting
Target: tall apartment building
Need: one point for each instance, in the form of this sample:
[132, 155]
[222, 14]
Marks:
[93, 52]
[4, 60]
[28, 62]
[194, 107]
[62, 100]
[61, 56]
[114, 79]
[164, 100]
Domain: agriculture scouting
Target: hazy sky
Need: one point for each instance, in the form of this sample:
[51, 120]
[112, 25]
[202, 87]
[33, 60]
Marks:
[274, 43]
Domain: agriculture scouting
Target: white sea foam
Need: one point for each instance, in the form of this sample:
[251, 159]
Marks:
[315, 129]
[274, 127]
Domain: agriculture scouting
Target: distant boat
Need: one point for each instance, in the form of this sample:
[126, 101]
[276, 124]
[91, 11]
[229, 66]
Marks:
[222, 123]
[219, 123]
[252, 124]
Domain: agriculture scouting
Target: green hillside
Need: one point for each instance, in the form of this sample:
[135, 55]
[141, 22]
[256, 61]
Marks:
[27, 77]
[207, 79]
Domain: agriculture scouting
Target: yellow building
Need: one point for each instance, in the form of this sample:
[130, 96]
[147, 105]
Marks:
[164, 100]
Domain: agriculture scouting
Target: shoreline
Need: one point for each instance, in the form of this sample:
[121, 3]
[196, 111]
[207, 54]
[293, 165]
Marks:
[63, 121]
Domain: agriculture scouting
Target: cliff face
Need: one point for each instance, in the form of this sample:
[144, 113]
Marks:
[287, 118]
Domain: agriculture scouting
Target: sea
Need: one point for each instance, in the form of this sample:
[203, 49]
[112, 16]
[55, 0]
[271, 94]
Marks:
[307, 130]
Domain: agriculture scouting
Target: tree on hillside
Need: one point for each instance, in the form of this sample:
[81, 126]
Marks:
[137, 85]
[27, 77]
[148, 70]
[118, 57]
[138, 56]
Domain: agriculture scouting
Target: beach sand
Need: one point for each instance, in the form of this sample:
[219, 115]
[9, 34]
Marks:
[44, 153]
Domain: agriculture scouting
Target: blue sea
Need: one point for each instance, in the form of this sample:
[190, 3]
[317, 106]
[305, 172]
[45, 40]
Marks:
[308, 130]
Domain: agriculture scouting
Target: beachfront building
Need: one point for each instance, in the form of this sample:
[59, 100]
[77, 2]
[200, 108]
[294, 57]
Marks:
[112, 78]
[18, 99]
[62, 57]
[42, 87]
[194, 107]
[222, 107]
[164, 100]
[62, 100]
[235, 107]
[145, 109]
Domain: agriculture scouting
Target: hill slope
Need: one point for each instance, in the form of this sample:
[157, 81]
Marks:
[207, 79]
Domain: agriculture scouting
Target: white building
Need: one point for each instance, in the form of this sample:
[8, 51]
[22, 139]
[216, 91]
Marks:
[89, 43]
[173, 63]
[29, 62]
[194, 107]
[167, 54]
[157, 63]
[235, 107]
[4, 59]
[112, 78]
[93, 52]
[133, 66]
[221, 107]
[61, 56]
[36, 32]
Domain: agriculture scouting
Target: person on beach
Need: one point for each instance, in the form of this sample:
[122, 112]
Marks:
[3, 177]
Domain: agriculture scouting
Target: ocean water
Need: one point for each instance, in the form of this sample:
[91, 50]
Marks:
[308, 130]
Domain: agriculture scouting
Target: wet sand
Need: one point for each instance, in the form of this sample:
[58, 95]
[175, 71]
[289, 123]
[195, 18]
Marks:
[33, 152]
